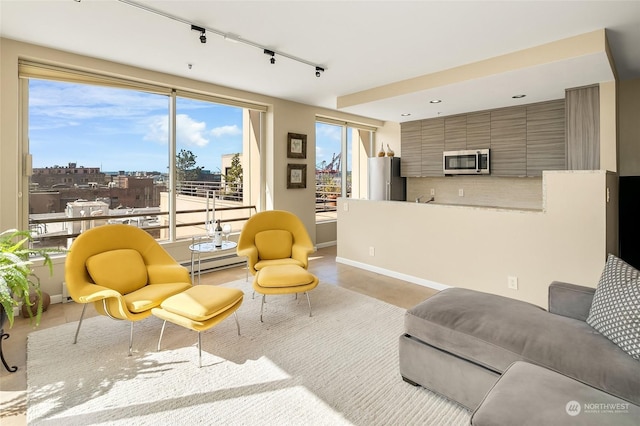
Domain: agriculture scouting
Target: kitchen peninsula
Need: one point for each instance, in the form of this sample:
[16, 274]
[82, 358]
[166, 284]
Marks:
[475, 247]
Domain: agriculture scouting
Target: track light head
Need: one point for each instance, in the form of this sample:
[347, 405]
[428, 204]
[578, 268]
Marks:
[203, 37]
[272, 54]
[318, 71]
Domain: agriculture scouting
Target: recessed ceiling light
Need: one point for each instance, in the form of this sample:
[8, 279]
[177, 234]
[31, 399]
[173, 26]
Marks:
[518, 96]
[435, 101]
[405, 114]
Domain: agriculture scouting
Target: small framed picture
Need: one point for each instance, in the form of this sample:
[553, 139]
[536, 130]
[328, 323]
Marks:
[296, 176]
[296, 145]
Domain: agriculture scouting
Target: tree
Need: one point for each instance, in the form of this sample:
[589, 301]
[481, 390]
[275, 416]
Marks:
[233, 178]
[186, 166]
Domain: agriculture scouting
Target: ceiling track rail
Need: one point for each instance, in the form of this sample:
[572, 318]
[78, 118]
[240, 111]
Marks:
[227, 36]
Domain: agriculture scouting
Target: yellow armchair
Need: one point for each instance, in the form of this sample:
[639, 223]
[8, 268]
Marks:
[123, 271]
[274, 237]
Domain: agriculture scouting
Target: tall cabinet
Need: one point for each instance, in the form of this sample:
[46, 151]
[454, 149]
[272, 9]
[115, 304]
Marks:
[583, 128]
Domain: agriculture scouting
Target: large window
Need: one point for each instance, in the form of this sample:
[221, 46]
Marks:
[96, 151]
[108, 153]
[341, 151]
[209, 146]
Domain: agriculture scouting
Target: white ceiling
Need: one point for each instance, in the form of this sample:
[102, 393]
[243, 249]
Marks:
[362, 45]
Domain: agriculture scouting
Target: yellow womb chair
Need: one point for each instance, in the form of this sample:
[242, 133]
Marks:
[123, 271]
[277, 247]
[274, 237]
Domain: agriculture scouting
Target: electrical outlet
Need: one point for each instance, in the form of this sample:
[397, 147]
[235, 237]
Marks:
[345, 207]
[433, 191]
[372, 251]
[461, 192]
[512, 283]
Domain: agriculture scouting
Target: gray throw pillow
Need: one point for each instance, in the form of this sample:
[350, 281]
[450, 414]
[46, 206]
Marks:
[615, 311]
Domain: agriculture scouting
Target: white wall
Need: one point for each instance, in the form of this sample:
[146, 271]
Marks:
[478, 248]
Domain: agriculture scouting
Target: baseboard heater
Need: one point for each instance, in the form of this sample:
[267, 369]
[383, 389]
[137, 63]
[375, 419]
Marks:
[211, 264]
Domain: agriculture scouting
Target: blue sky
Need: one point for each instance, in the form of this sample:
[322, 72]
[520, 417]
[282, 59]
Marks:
[119, 129]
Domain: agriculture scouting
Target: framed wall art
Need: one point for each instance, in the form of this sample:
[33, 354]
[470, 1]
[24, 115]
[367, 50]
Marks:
[296, 145]
[296, 176]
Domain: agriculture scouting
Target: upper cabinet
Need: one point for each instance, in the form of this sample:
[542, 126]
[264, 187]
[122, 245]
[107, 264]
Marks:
[479, 130]
[455, 133]
[524, 140]
[583, 128]
[546, 148]
[411, 160]
[509, 142]
[432, 146]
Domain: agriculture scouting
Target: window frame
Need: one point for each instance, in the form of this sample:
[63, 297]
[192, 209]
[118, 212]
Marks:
[28, 69]
[345, 127]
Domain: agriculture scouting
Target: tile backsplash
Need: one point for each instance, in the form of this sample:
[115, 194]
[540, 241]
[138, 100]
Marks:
[489, 191]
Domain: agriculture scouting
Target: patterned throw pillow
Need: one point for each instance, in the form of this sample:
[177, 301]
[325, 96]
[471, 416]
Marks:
[615, 311]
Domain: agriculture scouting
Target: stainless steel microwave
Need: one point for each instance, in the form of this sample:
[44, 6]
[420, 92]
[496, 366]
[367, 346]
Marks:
[469, 162]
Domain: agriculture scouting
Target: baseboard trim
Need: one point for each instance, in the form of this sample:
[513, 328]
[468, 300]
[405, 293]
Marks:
[392, 274]
[326, 244]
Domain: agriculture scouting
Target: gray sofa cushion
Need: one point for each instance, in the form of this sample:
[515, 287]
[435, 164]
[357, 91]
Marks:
[495, 331]
[530, 395]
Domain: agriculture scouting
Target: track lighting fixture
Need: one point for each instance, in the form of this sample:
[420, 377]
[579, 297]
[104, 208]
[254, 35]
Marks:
[227, 36]
[203, 37]
[272, 54]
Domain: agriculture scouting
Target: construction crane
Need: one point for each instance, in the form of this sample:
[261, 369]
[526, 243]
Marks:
[333, 166]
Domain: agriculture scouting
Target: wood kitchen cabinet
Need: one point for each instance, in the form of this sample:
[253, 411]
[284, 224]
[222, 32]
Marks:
[509, 142]
[583, 128]
[546, 148]
[411, 140]
[479, 130]
[432, 146]
[455, 133]
[524, 140]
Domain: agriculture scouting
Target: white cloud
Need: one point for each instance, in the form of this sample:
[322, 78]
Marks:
[226, 131]
[189, 132]
[158, 129]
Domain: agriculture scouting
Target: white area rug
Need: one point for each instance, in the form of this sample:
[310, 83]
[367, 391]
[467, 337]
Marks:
[338, 367]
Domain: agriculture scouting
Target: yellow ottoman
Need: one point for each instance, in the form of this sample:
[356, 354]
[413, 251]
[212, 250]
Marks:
[284, 279]
[199, 308]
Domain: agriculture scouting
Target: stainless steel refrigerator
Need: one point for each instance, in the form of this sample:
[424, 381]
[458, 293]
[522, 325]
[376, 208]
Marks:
[385, 182]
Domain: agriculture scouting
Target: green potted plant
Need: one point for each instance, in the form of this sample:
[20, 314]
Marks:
[17, 281]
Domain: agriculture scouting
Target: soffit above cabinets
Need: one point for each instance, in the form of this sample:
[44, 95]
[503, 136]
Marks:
[542, 73]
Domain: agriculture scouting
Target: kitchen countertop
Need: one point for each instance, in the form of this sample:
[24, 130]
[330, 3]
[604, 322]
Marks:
[476, 206]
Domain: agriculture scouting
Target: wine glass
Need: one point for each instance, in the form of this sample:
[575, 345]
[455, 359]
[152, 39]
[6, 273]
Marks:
[211, 229]
[226, 230]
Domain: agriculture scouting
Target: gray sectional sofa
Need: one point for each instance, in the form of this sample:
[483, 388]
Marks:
[459, 342]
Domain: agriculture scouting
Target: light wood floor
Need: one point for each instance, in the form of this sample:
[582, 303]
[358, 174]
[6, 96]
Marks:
[322, 263]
